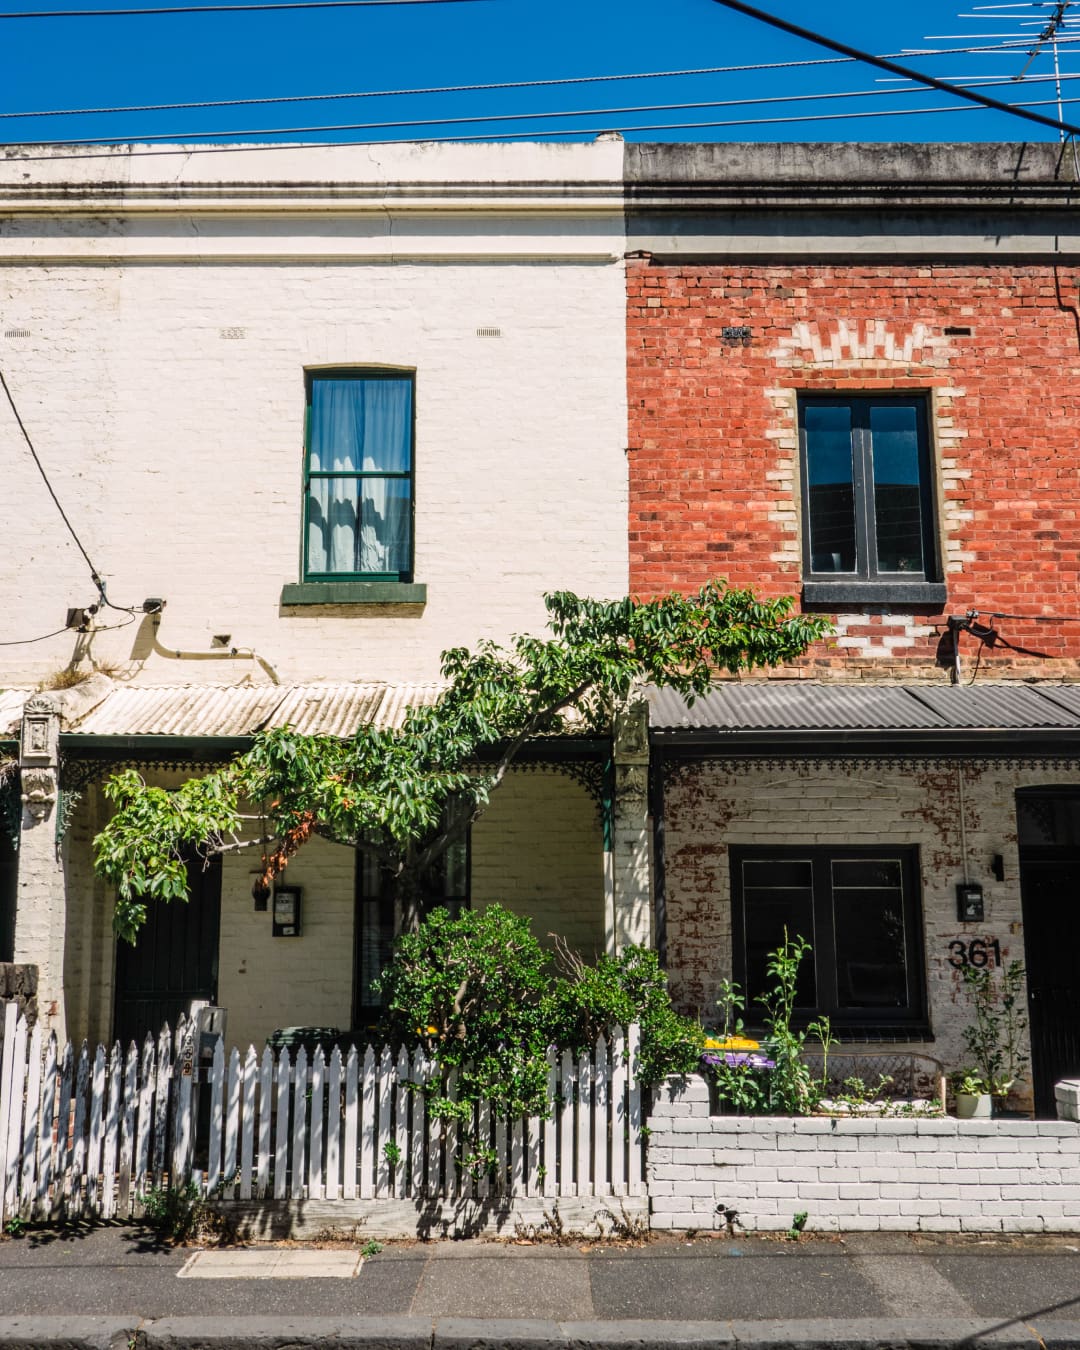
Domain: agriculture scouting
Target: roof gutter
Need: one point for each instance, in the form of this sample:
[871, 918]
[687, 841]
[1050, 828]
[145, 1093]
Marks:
[971, 743]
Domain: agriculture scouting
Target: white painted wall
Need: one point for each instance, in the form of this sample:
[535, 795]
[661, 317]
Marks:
[162, 382]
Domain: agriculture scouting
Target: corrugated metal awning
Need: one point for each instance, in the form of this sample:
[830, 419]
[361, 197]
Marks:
[235, 712]
[832, 713]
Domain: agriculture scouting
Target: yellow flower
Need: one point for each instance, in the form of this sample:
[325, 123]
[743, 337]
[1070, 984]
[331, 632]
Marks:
[731, 1043]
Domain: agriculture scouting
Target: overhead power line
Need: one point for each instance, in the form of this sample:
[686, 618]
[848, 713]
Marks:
[94, 573]
[218, 9]
[135, 151]
[493, 85]
[883, 63]
[487, 118]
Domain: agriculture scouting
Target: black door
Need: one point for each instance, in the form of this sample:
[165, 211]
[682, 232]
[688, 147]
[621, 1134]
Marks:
[174, 960]
[1049, 835]
[9, 882]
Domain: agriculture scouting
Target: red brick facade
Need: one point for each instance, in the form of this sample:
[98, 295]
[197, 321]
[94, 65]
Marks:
[713, 444]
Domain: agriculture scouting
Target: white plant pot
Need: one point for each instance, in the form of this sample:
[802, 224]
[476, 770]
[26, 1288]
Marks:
[974, 1106]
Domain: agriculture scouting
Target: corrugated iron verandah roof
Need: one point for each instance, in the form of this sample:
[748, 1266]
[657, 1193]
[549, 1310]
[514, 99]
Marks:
[236, 712]
[778, 714]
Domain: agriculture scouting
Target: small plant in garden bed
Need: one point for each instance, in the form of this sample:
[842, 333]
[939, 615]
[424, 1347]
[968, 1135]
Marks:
[995, 1038]
[770, 1076]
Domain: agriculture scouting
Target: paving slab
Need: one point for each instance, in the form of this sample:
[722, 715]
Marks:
[272, 1264]
[548, 1283]
[1040, 1286]
[720, 1280]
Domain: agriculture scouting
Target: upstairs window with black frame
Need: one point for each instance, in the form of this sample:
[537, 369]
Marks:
[859, 908]
[868, 499]
[358, 476]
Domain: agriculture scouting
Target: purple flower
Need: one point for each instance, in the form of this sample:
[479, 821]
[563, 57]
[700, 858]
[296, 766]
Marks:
[739, 1059]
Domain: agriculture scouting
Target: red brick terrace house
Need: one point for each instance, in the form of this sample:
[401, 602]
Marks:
[853, 378]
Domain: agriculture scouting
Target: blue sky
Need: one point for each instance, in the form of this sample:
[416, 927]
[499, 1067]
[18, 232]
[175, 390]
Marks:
[66, 63]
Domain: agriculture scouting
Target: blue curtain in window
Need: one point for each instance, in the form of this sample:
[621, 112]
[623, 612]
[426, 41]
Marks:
[360, 525]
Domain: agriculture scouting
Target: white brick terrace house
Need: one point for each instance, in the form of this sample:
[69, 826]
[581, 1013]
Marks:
[316, 414]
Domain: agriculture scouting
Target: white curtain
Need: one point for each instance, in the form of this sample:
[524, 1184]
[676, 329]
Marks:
[360, 525]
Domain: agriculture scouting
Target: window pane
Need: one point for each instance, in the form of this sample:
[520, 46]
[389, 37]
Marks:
[830, 486]
[778, 894]
[333, 525]
[360, 425]
[894, 436]
[871, 951]
[385, 517]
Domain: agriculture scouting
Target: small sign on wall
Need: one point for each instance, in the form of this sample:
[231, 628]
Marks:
[287, 911]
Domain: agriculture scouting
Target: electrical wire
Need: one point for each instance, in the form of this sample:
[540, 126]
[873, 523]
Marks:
[883, 63]
[479, 88]
[218, 9]
[94, 573]
[26, 642]
[486, 118]
[1027, 618]
[533, 134]
[45, 479]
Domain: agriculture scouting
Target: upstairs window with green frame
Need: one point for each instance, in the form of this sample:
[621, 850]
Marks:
[358, 476]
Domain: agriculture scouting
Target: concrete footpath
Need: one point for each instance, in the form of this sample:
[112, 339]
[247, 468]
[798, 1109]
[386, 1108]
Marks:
[115, 1287]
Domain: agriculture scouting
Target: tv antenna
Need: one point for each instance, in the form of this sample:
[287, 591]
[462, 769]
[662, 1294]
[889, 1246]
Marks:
[1034, 29]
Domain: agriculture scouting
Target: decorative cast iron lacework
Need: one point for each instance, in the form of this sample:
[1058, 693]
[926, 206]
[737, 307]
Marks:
[677, 769]
[77, 774]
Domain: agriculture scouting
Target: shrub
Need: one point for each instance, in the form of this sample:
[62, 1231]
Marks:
[617, 990]
[472, 991]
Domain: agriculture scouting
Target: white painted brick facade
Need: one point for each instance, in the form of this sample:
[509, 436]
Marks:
[162, 382]
[1012, 1176]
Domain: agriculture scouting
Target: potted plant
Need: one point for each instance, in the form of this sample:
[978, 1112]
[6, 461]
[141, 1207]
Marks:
[973, 1097]
[996, 1038]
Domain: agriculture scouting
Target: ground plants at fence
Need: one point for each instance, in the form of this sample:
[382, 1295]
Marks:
[995, 1037]
[770, 1076]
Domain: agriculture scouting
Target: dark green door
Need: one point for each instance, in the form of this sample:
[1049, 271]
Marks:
[1049, 835]
[174, 960]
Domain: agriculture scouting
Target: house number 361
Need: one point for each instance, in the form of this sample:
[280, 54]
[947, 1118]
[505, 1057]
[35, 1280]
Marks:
[978, 953]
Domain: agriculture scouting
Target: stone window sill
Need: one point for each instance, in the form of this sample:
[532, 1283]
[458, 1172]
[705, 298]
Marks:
[353, 593]
[833, 593]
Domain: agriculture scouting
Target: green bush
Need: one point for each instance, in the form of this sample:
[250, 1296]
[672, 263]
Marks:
[479, 994]
[472, 991]
[617, 990]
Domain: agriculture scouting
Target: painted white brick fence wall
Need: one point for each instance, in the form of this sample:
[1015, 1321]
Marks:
[942, 1175]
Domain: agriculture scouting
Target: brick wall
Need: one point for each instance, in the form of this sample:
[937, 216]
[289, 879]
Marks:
[711, 805]
[714, 463]
[1013, 1176]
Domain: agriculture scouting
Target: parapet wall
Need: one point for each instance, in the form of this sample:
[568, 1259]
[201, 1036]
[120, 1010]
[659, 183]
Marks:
[900, 1175]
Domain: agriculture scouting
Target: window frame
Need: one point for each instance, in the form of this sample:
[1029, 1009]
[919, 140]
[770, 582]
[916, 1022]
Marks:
[910, 1023]
[405, 575]
[387, 918]
[868, 581]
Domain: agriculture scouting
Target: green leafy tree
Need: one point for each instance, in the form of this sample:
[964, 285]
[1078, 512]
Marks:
[408, 793]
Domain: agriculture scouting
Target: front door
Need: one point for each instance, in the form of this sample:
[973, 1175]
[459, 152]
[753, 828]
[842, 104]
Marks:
[1049, 836]
[174, 959]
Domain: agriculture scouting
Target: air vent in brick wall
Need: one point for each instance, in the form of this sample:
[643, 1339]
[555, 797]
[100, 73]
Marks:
[233, 334]
[489, 332]
[16, 332]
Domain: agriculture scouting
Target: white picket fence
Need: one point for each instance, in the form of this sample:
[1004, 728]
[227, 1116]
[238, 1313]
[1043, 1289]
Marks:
[90, 1135]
